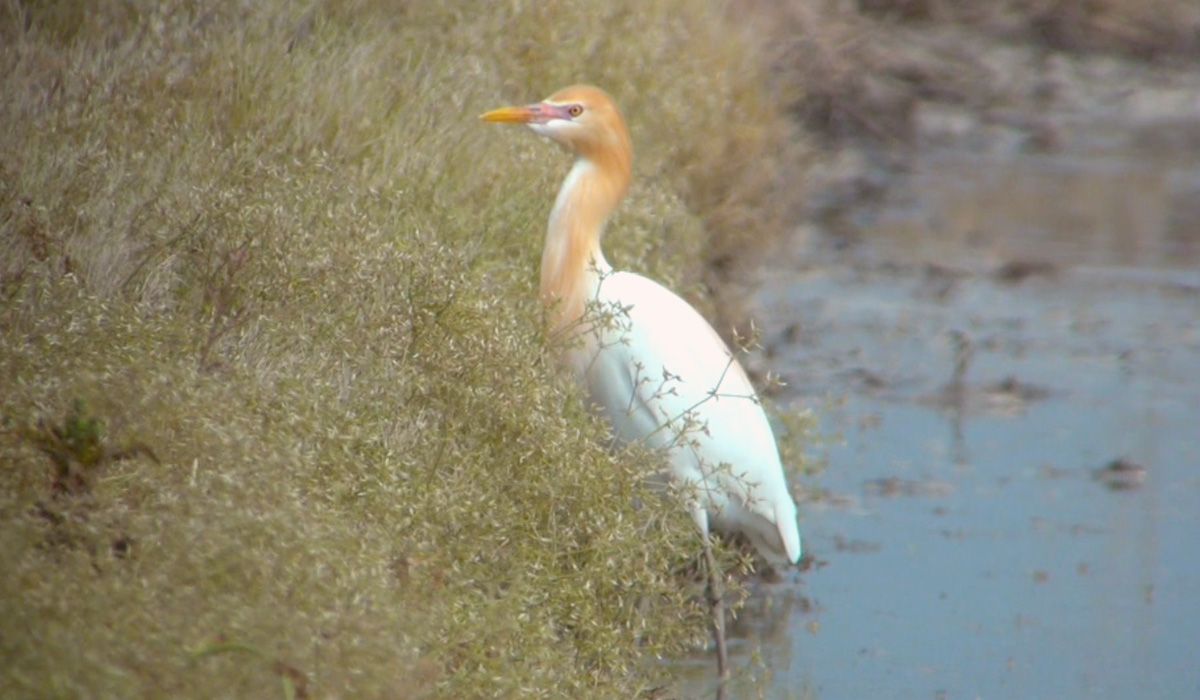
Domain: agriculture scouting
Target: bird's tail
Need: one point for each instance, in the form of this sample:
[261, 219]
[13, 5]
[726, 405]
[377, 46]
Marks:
[789, 530]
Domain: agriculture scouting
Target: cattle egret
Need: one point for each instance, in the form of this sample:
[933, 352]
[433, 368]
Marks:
[649, 361]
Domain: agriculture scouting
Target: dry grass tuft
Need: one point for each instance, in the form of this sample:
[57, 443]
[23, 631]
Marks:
[277, 420]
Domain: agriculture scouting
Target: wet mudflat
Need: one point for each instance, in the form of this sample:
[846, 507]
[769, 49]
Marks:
[1013, 507]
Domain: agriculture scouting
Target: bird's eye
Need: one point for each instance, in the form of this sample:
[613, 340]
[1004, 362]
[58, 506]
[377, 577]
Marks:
[575, 110]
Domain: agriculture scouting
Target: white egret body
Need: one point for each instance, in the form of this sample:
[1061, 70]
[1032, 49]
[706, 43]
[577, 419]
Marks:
[649, 361]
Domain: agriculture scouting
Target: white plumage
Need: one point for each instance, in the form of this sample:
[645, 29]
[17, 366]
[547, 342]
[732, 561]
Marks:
[649, 361]
[662, 376]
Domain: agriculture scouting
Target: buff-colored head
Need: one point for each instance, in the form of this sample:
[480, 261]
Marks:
[582, 118]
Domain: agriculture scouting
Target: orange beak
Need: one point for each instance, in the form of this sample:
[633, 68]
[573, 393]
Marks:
[513, 115]
[529, 114]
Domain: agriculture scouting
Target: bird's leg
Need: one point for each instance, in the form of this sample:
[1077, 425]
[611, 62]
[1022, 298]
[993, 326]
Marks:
[716, 599]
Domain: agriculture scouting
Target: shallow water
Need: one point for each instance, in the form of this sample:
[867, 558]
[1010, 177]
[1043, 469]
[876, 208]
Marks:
[971, 539]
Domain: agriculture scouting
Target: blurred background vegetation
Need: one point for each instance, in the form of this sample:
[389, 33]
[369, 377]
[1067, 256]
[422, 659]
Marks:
[276, 418]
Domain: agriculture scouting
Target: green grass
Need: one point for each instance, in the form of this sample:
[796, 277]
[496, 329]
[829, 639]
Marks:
[278, 418]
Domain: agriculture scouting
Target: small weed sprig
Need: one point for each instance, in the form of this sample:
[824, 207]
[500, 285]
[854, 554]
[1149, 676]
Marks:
[227, 312]
[77, 449]
[293, 683]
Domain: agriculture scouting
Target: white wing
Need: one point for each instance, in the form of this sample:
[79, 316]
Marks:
[662, 375]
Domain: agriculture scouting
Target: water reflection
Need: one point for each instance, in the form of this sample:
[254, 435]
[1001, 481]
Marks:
[1115, 194]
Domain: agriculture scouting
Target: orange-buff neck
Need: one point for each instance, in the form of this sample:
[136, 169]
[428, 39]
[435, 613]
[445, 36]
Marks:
[572, 260]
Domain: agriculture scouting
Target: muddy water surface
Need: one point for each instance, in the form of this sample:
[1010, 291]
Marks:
[1011, 355]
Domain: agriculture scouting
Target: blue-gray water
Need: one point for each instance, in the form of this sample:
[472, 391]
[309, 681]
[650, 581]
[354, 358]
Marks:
[969, 545]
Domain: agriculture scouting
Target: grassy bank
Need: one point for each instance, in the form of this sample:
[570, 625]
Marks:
[277, 416]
